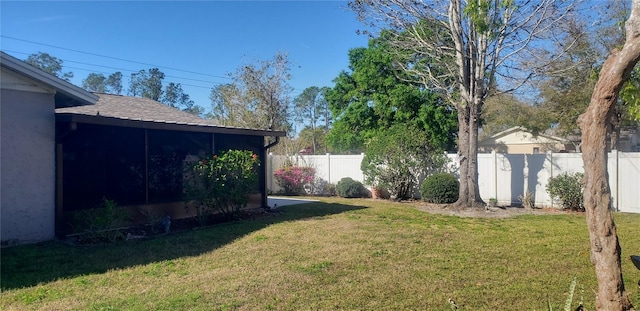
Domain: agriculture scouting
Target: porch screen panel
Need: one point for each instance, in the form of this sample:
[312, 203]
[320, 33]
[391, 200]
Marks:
[103, 162]
[169, 154]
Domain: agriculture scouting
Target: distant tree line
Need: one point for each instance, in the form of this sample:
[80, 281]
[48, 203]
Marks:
[144, 83]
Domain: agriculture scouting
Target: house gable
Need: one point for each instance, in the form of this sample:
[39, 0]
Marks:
[22, 76]
[521, 140]
[15, 81]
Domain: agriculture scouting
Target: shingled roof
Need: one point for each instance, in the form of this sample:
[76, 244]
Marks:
[118, 110]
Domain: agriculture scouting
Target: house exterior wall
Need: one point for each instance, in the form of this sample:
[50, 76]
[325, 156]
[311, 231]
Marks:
[522, 142]
[27, 166]
[629, 141]
[531, 148]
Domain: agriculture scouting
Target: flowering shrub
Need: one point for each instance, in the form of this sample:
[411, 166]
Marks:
[293, 178]
[222, 182]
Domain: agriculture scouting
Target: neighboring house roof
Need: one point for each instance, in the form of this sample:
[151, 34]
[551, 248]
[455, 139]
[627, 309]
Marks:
[539, 138]
[118, 110]
[68, 91]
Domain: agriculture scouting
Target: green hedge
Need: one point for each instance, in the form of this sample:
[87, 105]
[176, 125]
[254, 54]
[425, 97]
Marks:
[349, 188]
[440, 188]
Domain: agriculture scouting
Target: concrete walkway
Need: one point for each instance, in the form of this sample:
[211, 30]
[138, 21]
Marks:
[279, 202]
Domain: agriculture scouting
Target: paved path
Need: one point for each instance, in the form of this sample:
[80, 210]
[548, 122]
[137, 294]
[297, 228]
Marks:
[279, 202]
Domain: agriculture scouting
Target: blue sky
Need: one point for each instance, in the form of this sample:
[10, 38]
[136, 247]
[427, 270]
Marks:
[205, 40]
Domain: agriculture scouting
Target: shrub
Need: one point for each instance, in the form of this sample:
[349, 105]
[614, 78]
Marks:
[440, 188]
[349, 188]
[100, 224]
[320, 187]
[567, 188]
[293, 178]
[398, 157]
[222, 183]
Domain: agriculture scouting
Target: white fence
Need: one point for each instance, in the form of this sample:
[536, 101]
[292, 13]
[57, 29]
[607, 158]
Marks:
[502, 176]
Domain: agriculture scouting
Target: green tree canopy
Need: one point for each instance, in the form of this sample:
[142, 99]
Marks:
[98, 83]
[504, 111]
[375, 94]
[147, 84]
[49, 64]
[308, 137]
[95, 82]
[175, 97]
[311, 108]
[114, 83]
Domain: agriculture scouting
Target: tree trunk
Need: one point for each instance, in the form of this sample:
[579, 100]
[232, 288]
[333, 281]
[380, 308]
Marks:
[605, 248]
[463, 155]
[614, 131]
[469, 193]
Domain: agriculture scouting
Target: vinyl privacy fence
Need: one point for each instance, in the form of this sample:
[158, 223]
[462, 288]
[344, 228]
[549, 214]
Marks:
[504, 177]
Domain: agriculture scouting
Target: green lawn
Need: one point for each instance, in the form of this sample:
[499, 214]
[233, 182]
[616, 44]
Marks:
[337, 254]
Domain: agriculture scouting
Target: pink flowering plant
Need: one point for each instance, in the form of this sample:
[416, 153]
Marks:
[293, 178]
[221, 183]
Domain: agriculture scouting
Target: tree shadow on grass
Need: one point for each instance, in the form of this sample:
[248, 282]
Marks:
[29, 265]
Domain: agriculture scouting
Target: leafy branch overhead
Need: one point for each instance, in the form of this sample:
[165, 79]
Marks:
[375, 94]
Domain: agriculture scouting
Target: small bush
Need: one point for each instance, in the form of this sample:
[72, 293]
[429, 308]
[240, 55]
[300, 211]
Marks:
[567, 188]
[100, 224]
[349, 188]
[440, 188]
[320, 187]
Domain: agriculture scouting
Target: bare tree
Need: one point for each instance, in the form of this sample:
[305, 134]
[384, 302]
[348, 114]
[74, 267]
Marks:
[257, 98]
[605, 248]
[228, 106]
[477, 44]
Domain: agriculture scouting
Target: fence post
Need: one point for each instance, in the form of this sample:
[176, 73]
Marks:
[329, 168]
[550, 173]
[361, 158]
[525, 175]
[495, 173]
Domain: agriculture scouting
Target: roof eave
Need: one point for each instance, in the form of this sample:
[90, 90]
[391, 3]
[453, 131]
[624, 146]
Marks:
[146, 124]
[60, 85]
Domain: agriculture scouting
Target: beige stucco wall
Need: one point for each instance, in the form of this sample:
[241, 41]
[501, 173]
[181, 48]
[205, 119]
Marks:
[27, 166]
[529, 148]
[521, 142]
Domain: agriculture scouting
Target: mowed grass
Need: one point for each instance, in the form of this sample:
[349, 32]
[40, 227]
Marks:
[337, 254]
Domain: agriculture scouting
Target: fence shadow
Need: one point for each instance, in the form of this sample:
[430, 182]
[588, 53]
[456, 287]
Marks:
[29, 265]
[517, 164]
[533, 164]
